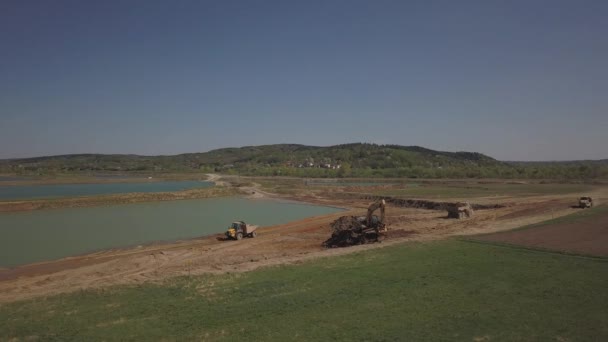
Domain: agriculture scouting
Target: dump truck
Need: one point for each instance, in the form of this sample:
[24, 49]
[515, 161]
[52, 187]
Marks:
[585, 202]
[460, 210]
[240, 229]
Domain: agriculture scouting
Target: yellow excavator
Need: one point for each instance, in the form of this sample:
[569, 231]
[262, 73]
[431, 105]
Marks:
[373, 221]
[358, 230]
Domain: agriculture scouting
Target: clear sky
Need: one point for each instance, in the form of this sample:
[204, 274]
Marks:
[517, 80]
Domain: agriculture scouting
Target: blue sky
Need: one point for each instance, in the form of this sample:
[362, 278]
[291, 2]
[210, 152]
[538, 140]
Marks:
[517, 80]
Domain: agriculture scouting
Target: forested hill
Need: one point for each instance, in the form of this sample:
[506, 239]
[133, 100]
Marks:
[357, 156]
[349, 160]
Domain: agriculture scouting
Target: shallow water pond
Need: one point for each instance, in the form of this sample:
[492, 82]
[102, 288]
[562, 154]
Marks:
[22, 192]
[28, 237]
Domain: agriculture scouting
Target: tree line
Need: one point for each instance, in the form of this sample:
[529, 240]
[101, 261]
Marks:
[349, 160]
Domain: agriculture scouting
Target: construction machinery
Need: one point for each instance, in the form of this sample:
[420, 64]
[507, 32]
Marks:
[459, 210]
[372, 221]
[239, 230]
[585, 202]
[358, 230]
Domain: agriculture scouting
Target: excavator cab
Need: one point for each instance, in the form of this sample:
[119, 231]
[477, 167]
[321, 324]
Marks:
[375, 221]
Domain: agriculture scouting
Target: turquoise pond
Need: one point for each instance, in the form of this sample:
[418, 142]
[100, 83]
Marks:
[11, 178]
[22, 192]
[27, 237]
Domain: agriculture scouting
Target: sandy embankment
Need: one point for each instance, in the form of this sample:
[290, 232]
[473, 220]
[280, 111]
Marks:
[221, 189]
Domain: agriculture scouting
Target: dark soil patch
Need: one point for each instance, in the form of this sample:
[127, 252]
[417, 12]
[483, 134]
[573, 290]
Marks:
[538, 208]
[399, 233]
[588, 236]
[348, 231]
[426, 204]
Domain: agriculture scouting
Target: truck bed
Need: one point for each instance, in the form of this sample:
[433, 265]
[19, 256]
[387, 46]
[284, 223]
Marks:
[250, 228]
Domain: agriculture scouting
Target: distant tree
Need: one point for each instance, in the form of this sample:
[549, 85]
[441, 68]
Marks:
[345, 170]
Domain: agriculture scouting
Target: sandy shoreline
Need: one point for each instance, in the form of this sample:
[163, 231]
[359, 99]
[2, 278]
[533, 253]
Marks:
[221, 189]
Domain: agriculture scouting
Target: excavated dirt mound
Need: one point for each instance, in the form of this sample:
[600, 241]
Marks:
[426, 204]
[348, 231]
[345, 223]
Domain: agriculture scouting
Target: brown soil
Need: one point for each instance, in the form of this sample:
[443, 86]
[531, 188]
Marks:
[91, 201]
[90, 179]
[587, 236]
[293, 242]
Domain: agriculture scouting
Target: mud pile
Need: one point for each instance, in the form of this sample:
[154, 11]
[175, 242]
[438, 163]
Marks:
[346, 223]
[348, 231]
[431, 205]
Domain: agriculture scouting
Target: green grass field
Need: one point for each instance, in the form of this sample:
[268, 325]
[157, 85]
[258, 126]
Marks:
[433, 190]
[445, 290]
[582, 215]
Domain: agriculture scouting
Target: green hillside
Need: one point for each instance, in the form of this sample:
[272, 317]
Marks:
[357, 155]
[348, 160]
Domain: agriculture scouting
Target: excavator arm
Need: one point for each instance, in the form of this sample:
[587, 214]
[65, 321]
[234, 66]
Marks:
[370, 211]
